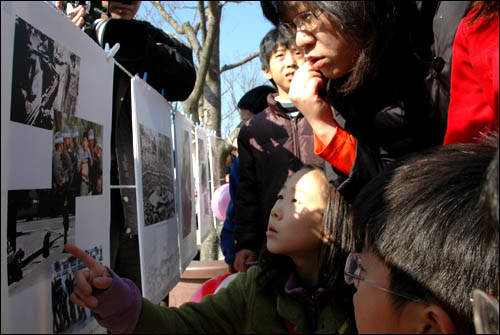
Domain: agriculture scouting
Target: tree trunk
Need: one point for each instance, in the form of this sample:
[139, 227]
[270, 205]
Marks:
[210, 115]
[212, 93]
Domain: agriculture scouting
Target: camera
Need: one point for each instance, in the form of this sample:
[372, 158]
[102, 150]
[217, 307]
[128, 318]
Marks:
[131, 34]
[94, 11]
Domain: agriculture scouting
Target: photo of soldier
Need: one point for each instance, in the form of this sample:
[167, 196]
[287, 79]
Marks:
[76, 154]
[97, 166]
[69, 168]
[44, 77]
[85, 165]
[60, 180]
[92, 171]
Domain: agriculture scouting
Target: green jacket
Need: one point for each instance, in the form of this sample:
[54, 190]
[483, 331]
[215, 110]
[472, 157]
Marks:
[242, 307]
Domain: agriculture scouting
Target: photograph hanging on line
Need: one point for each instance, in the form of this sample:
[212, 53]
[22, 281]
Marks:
[157, 176]
[45, 77]
[185, 172]
[68, 317]
[77, 158]
[36, 232]
[204, 191]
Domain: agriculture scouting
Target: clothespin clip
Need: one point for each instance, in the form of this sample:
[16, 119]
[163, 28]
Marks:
[111, 52]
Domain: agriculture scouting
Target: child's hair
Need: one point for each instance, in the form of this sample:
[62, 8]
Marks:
[337, 225]
[486, 9]
[423, 217]
[377, 27]
[490, 193]
[273, 39]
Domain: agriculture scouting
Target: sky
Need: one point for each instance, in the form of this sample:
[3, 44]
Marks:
[242, 28]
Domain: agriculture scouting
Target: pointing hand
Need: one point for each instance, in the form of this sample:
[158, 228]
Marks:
[96, 277]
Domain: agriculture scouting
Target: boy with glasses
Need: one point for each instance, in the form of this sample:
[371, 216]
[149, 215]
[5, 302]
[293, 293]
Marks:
[424, 243]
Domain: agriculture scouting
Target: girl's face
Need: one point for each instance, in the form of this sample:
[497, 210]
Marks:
[295, 227]
[327, 48]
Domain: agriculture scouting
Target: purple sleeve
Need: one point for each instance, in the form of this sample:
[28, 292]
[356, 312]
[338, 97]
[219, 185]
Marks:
[119, 306]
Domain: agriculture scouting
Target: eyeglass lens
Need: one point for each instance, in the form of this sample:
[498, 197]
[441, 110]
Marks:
[351, 267]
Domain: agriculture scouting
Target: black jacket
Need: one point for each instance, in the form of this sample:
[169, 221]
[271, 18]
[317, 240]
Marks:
[390, 114]
[271, 147]
[169, 66]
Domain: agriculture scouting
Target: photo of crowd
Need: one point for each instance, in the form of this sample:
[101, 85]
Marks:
[45, 78]
[157, 176]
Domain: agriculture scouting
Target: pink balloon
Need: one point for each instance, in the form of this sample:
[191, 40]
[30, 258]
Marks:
[220, 201]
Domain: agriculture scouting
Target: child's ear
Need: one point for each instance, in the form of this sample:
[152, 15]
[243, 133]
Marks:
[267, 74]
[435, 320]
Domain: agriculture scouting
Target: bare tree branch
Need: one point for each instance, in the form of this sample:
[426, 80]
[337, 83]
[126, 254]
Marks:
[241, 62]
[184, 29]
[196, 27]
[203, 23]
[208, 46]
[193, 40]
[178, 28]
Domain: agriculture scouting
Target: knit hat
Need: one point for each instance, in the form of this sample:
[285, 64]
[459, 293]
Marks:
[255, 100]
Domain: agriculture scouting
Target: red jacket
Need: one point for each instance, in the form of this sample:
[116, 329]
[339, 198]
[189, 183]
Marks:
[474, 81]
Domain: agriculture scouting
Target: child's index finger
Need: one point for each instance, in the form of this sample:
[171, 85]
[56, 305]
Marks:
[81, 255]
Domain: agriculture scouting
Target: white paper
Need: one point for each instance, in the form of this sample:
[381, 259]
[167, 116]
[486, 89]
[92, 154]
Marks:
[155, 187]
[53, 75]
[202, 185]
[185, 182]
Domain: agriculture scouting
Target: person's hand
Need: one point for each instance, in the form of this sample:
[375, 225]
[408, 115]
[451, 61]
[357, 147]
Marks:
[242, 257]
[305, 95]
[76, 15]
[96, 277]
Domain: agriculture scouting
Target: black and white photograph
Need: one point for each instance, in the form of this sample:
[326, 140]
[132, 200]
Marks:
[36, 233]
[204, 186]
[186, 194]
[68, 317]
[45, 77]
[157, 176]
[214, 164]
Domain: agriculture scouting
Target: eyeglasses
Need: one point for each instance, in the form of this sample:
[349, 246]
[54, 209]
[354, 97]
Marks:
[306, 22]
[353, 269]
[485, 309]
